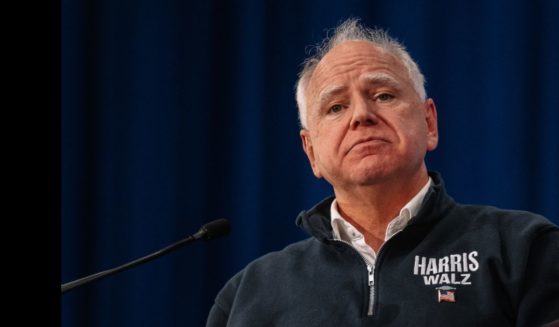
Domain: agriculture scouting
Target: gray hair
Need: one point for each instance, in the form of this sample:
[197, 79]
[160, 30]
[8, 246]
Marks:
[352, 30]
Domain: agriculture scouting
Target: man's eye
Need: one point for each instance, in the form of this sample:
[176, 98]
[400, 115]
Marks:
[335, 109]
[384, 97]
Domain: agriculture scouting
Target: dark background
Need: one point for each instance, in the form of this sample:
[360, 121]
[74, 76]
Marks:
[175, 113]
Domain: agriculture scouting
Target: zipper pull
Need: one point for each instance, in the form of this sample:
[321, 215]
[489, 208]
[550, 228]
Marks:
[370, 270]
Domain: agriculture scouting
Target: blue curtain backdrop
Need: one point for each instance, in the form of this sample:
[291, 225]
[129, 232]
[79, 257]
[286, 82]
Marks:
[175, 113]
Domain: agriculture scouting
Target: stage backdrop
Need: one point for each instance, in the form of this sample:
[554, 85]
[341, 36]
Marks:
[175, 113]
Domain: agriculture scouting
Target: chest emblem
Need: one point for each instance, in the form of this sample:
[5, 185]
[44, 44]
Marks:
[453, 269]
[446, 294]
[446, 273]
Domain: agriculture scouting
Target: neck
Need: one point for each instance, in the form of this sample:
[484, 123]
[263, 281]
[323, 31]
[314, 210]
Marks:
[370, 208]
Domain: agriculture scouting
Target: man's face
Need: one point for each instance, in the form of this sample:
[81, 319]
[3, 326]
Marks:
[366, 123]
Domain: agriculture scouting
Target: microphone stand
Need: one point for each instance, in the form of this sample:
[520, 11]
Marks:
[209, 231]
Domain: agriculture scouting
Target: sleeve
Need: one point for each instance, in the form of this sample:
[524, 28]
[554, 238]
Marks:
[217, 317]
[220, 312]
[539, 305]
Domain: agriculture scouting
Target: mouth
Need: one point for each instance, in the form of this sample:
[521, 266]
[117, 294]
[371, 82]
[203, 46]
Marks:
[367, 142]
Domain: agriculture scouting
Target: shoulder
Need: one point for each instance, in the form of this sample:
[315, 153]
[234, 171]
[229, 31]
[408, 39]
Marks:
[272, 268]
[503, 219]
[513, 231]
[274, 263]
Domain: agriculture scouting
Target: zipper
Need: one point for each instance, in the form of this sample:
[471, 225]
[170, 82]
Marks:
[370, 277]
[371, 269]
[371, 274]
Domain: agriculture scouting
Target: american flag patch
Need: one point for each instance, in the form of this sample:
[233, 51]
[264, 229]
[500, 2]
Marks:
[446, 294]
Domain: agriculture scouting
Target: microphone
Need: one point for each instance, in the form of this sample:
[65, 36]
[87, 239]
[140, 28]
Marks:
[209, 231]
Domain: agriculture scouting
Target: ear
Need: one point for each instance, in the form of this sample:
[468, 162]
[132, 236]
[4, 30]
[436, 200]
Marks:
[309, 150]
[431, 120]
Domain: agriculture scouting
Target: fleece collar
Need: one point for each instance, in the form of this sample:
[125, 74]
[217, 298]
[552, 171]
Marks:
[316, 221]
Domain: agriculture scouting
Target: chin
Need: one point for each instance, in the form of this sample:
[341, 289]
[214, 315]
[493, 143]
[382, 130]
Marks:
[373, 172]
[368, 177]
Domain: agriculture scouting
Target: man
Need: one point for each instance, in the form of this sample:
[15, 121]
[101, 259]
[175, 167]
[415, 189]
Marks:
[391, 248]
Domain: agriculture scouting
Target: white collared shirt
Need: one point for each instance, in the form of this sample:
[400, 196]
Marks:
[345, 231]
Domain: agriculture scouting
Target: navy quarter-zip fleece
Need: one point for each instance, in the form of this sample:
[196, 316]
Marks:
[453, 264]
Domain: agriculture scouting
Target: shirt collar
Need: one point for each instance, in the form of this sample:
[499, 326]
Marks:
[343, 230]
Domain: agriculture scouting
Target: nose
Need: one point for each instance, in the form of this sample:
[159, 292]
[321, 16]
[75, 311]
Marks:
[363, 113]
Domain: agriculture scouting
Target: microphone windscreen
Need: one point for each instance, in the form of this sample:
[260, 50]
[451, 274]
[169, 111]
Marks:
[216, 228]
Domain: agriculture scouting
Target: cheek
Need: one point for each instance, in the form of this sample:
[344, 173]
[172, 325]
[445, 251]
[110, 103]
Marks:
[327, 143]
[412, 131]
[322, 149]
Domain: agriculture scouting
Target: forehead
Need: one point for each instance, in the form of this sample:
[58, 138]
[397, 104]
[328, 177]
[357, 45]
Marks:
[352, 60]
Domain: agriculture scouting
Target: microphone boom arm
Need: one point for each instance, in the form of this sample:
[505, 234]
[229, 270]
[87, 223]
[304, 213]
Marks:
[211, 230]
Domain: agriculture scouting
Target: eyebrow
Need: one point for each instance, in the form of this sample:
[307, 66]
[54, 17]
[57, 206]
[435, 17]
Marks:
[369, 78]
[329, 92]
[380, 79]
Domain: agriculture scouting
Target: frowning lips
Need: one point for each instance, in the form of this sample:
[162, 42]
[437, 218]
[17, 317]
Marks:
[372, 140]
